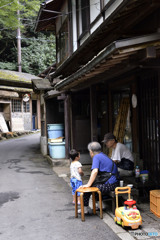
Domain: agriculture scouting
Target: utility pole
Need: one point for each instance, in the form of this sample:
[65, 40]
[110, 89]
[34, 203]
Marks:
[19, 42]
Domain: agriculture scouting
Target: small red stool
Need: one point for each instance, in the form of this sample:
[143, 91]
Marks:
[93, 190]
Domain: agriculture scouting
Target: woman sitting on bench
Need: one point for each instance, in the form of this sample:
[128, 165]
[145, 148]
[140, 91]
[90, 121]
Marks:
[103, 175]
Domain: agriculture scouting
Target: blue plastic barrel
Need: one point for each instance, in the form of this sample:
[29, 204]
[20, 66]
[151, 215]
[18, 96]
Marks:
[55, 130]
[57, 150]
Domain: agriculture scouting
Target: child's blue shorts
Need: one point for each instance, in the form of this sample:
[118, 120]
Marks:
[75, 184]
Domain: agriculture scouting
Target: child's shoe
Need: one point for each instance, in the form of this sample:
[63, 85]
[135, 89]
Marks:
[77, 203]
[86, 210]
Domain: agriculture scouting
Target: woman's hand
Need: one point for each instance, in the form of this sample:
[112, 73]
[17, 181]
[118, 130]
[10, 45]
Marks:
[84, 186]
[91, 179]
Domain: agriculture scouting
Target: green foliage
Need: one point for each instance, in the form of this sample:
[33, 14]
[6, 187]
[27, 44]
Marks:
[38, 53]
[8, 65]
[9, 8]
[38, 50]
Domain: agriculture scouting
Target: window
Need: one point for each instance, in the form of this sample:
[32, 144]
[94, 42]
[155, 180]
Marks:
[95, 10]
[26, 106]
[62, 42]
[83, 9]
[85, 14]
[16, 105]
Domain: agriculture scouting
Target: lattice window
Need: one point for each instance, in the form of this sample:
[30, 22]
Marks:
[150, 124]
[62, 42]
[16, 105]
[83, 12]
[26, 106]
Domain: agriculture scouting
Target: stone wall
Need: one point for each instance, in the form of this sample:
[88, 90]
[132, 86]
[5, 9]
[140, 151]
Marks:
[21, 121]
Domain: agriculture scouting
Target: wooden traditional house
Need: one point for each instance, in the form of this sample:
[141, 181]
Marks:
[107, 50]
[19, 105]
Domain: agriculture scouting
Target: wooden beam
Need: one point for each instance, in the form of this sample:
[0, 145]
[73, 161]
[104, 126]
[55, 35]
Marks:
[8, 94]
[61, 97]
[16, 83]
[15, 89]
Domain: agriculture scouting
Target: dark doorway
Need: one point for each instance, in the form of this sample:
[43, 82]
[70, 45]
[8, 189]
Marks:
[81, 123]
[34, 115]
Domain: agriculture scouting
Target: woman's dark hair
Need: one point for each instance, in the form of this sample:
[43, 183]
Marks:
[73, 154]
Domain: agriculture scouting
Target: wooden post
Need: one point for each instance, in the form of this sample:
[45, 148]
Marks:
[39, 112]
[67, 124]
[10, 111]
[30, 107]
[134, 121]
[110, 125]
[93, 112]
[45, 118]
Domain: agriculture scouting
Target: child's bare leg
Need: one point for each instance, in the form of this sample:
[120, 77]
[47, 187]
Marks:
[79, 199]
[73, 198]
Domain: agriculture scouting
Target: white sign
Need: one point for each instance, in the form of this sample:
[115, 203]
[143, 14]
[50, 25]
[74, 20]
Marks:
[134, 101]
[26, 97]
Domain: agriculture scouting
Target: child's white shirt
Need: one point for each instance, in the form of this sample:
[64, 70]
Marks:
[74, 170]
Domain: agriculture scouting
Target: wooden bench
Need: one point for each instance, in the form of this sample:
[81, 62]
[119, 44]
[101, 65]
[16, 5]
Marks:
[92, 190]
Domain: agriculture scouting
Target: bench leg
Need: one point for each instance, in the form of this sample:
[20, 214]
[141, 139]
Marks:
[82, 207]
[94, 202]
[76, 206]
[100, 204]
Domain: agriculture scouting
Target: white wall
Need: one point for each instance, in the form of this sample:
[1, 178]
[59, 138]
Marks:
[74, 25]
[21, 121]
[94, 12]
[106, 1]
[112, 8]
[17, 121]
[97, 24]
[94, 9]
[84, 38]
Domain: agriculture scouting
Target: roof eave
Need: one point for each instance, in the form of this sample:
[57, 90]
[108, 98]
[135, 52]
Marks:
[126, 44]
[46, 23]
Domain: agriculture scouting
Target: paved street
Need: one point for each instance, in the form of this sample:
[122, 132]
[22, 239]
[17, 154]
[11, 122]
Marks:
[34, 202]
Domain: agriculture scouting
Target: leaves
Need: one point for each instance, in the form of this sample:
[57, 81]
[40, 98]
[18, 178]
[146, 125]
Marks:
[37, 49]
[38, 54]
[9, 8]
